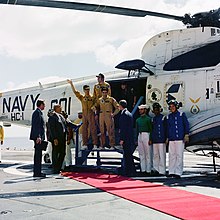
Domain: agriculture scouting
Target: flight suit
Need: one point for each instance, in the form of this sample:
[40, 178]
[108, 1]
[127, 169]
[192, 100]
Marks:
[88, 118]
[97, 93]
[106, 107]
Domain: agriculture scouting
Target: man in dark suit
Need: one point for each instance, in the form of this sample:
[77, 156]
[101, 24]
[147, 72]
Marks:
[126, 139]
[57, 125]
[38, 135]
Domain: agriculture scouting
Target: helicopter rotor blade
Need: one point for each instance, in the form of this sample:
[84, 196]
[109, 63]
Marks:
[90, 7]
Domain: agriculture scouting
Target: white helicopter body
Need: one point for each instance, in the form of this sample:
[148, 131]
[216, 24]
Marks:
[180, 64]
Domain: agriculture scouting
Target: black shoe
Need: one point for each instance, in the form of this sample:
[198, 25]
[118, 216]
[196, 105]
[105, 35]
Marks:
[171, 175]
[42, 175]
[177, 176]
[154, 172]
[147, 173]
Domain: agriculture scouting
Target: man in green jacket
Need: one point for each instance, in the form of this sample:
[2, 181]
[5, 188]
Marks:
[144, 129]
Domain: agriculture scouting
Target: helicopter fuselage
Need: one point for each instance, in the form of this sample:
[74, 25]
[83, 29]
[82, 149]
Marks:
[198, 89]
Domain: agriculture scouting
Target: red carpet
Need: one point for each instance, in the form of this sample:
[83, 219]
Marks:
[175, 202]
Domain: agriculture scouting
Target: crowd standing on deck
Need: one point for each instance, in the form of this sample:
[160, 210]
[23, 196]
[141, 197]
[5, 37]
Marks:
[153, 135]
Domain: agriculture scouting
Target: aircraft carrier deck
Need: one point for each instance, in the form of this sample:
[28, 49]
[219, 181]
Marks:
[59, 197]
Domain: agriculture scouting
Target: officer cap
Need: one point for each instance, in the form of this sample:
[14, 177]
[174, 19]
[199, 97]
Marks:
[101, 75]
[143, 106]
[86, 87]
[156, 105]
[173, 102]
[104, 89]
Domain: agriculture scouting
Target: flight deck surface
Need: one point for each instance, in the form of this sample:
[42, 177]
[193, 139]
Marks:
[59, 197]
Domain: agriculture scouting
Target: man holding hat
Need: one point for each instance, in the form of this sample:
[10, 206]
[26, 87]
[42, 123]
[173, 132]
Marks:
[178, 134]
[144, 129]
[88, 118]
[97, 93]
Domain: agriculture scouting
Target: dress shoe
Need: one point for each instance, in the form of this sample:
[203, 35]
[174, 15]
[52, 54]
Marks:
[171, 175]
[148, 173]
[42, 175]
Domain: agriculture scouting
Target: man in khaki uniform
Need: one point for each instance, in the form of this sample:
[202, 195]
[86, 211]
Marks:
[88, 118]
[97, 93]
[105, 105]
[1, 139]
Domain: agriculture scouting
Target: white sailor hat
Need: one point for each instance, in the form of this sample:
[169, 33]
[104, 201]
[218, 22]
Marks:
[143, 106]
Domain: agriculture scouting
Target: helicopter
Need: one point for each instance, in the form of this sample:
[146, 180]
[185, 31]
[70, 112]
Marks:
[182, 64]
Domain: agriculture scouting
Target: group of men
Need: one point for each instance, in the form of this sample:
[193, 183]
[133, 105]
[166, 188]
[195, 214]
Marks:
[98, 111]
[156, 133]
[59, 133]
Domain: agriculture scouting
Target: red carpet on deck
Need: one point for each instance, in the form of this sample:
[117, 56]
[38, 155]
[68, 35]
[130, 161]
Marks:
[175, 202]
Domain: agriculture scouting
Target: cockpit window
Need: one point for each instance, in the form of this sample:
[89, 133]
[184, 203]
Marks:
[212, 31]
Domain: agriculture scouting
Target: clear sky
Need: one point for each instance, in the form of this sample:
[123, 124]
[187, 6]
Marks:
[41, 44]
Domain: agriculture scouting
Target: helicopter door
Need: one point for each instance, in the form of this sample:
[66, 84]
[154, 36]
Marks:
[212, 89]
[175, 91]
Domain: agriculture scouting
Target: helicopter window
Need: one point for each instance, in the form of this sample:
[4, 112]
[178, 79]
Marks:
[207, 93]
[174, 88]
[218, 87]
[212, 32]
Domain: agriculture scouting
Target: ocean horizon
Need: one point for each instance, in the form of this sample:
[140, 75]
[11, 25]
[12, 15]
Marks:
[17, 143]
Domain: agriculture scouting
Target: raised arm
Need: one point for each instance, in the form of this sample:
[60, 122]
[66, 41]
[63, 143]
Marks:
[72, 86]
